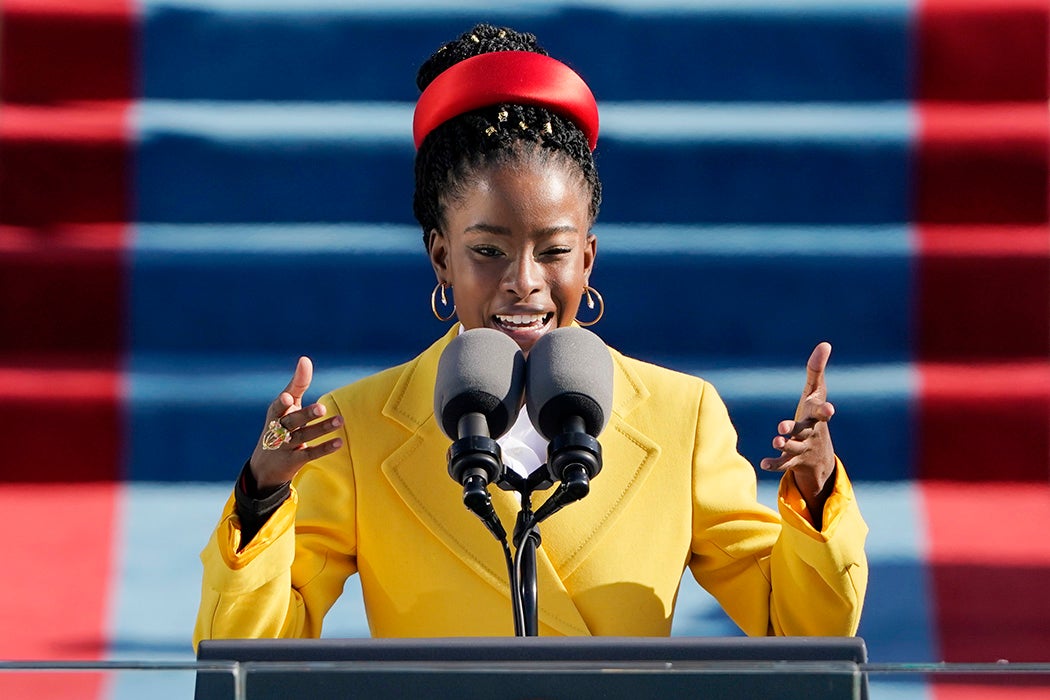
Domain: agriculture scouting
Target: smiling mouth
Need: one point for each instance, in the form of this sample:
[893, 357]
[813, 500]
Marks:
[518, 322]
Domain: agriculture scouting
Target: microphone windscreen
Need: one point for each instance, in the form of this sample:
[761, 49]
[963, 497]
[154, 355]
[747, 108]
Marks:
[480, 371]
[569, 373]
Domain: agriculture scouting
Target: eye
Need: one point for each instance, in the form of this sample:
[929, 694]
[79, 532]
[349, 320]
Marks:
[555, 251]
[487, 251]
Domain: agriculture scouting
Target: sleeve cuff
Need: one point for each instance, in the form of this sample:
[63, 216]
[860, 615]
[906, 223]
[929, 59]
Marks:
[795, 511]
[237, 569]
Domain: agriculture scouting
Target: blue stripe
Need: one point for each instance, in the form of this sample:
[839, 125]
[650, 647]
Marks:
[891, 122]
[870, 400]
[225, 383]
[199, 241]
[171, 398]
[636, 121]
[442, 7]
[899, 624]
[710, 295]
[886, 241]
[773, 51]
[296, 164]
[163, 240]
[859, 383]
[268, 121]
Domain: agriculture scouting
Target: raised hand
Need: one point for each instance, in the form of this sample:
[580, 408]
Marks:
[805, 442]
[281, 451]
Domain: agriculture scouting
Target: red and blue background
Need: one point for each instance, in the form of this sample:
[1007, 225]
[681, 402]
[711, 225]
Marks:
[190, 190]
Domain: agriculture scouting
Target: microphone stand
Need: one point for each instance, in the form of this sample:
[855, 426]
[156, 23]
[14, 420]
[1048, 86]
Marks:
[526, 539]
[525, 543]
[573, 456]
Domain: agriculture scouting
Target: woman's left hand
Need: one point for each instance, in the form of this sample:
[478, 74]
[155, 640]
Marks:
[805, 442]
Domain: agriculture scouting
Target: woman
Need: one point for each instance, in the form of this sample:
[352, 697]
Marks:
[506, 194]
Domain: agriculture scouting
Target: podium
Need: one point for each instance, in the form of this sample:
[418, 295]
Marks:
[576, 668]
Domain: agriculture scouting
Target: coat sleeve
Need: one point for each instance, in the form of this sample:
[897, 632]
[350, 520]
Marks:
[294, 569]
[772, 574]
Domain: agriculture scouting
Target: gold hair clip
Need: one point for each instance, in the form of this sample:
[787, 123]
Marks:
[475, 39]
[502, 34]
[548, 128]
[502, 115]
[524, 126]
[490, 131]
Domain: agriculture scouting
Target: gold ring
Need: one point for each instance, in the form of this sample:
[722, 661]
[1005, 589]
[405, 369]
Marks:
[275, 436]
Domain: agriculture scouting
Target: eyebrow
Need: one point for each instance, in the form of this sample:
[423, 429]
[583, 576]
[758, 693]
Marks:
[504, 231]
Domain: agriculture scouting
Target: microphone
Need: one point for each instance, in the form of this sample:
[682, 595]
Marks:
[477, 396]
[568, 392]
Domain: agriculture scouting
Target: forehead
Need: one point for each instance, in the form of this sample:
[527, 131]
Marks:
[526, 187]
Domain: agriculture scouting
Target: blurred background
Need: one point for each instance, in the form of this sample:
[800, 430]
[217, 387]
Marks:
[193, 193]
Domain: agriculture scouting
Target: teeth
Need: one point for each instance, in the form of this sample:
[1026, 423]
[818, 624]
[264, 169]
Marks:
[521, 319]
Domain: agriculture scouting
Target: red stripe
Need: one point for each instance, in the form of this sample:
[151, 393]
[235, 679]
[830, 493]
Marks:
[994, 524]
[70, 426]
[983, 163]
[985, 422]
[63, 164]
[58, 568]
[63, 289]
[990, 562]
[983, 50]
[983, 293]
[56, 50]
[93, 122]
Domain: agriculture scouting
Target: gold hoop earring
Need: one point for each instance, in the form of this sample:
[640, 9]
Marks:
[444, 303]
[587, 292]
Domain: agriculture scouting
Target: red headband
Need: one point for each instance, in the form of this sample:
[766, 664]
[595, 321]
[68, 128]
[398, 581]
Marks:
[519, 77]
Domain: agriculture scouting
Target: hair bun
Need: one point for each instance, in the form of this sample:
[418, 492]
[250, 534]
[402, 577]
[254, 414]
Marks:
[482, 38]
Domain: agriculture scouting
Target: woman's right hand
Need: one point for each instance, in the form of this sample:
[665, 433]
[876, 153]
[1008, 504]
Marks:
[280, 461]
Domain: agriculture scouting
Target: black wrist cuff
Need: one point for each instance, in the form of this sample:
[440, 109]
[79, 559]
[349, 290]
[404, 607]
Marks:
[254, 505]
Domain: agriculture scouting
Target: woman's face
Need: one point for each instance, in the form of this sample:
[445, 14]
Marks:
[517, 249]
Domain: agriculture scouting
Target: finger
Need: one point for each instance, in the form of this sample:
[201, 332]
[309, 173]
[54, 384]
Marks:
[294, 420]
[316, 451]
[782, 463]
[810, 412]
[301, 378]
[790, 447]
[818, 361]
[824, 412]
[773, 464]
[795, 429]
[292, 395]
[316, 430]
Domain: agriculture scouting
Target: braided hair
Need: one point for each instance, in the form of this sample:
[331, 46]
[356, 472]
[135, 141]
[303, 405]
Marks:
[455, 151]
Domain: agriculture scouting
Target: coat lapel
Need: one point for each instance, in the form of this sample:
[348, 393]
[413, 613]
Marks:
[629, 455]
[416, 471]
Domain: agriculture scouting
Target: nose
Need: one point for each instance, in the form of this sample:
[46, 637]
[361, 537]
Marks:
[523, 277]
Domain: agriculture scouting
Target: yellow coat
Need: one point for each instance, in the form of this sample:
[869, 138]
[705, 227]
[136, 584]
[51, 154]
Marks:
[673, 492]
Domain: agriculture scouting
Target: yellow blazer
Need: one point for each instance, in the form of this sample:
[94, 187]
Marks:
[673, 492]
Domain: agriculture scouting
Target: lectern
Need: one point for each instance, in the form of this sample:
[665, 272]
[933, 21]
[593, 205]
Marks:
[576, 668]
